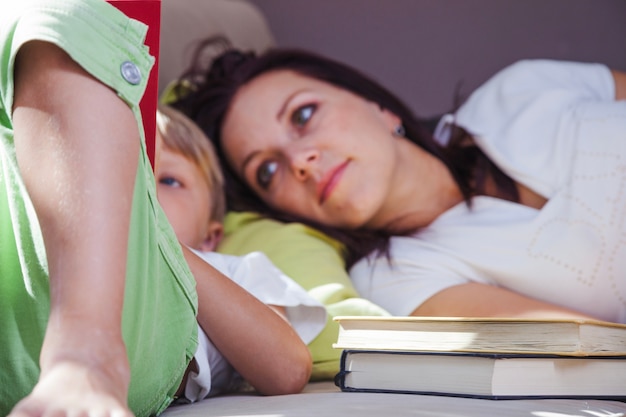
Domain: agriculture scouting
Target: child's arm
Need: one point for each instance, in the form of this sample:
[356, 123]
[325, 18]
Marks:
[257, 341]
[77, 145]
[280, 310]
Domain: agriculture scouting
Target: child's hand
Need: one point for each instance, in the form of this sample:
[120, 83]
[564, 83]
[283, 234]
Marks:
[74, 389]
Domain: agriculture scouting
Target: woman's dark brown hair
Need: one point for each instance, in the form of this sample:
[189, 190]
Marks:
[205, 95]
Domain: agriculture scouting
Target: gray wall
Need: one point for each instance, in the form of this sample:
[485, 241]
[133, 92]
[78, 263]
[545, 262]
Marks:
[423, 49]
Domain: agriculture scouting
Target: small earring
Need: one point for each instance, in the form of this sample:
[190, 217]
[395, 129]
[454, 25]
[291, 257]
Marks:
[399, 131]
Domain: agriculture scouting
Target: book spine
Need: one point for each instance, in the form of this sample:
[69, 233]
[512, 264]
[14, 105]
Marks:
[340, 378]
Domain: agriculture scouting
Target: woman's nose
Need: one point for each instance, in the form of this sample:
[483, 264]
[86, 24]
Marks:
[303, 161]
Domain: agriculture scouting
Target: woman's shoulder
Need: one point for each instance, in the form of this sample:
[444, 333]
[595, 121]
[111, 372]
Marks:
[530, 77]
[531, 96]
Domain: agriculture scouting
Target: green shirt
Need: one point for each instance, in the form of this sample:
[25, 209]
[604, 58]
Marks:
[160, 303]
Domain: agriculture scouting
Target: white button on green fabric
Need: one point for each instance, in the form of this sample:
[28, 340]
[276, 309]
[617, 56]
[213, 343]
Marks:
[130, 72]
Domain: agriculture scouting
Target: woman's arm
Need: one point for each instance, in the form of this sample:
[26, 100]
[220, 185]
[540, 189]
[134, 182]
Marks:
[474, 299]
[482, 300]
[77, 146]
[620, 84]
[259, 343]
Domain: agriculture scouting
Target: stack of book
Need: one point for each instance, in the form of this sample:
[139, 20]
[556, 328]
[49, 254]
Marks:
[483, 357]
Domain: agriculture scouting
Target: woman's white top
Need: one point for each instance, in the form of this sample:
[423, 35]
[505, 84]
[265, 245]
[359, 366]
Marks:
[556, 128]
[258, 275]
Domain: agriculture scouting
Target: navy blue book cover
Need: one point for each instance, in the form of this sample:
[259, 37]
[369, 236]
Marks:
[340, 378]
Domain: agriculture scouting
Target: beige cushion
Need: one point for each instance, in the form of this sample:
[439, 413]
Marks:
[185, 22]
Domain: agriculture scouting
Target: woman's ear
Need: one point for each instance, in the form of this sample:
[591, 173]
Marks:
[215, 233]
[391, 120]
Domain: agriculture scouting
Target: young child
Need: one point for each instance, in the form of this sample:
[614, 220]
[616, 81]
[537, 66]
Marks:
[190, 190]
[99, 302]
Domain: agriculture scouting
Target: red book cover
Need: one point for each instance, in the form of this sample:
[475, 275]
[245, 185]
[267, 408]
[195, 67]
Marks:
[148, 12]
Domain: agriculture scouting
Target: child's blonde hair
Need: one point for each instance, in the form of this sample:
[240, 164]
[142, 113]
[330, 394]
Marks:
[182, 135]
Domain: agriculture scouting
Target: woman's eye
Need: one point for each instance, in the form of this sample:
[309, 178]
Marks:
[265, 172]
[170, 182]
[302, 115]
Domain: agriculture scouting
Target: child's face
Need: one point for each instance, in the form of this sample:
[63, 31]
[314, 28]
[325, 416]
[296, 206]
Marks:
[185, 197]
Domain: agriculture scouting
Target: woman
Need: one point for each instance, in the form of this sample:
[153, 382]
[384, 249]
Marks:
[514, 207]
[97, 304]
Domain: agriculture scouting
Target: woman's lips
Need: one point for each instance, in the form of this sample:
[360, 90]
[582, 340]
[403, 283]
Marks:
[329, 182]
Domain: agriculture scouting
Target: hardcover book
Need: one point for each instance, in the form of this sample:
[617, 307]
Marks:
[483, 375]
[494, 335]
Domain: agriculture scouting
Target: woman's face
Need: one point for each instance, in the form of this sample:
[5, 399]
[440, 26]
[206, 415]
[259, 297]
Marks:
[311, 149]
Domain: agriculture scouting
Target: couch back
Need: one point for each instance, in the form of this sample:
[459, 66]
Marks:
[424, 49]
[186, 22]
